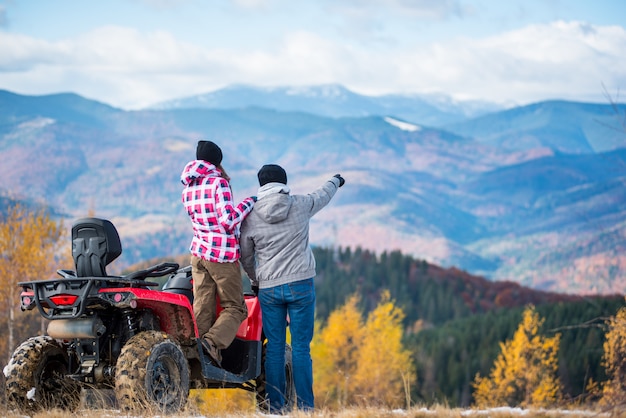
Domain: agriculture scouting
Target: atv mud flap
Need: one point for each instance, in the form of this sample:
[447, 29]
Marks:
[218, 374]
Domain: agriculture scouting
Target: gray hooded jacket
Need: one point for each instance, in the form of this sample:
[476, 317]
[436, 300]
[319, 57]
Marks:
[275, 236]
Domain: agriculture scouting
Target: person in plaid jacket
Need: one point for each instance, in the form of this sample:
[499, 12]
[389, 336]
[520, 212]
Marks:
[208, 200]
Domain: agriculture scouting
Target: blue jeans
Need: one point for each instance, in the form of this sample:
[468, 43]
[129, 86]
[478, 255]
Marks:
[298, 301]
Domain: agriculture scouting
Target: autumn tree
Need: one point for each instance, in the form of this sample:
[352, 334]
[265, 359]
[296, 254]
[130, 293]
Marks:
[334, 354]
[525, 372]
[362, 362]
[28, 240]
[614, 389]
[384, 367]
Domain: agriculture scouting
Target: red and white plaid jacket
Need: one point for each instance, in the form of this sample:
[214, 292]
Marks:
[207, 197]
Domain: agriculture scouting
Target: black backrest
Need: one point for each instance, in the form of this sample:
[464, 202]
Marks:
[95, 243]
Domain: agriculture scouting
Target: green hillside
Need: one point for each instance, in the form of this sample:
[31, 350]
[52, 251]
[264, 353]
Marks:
[455, 321]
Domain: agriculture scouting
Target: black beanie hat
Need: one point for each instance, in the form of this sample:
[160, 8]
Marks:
[272, 173]
[209, 151]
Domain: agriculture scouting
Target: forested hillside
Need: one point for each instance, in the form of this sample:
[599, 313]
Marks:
[429, 294]
[455, 321]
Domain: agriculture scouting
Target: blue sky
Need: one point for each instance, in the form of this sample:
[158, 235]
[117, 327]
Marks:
[133, 53]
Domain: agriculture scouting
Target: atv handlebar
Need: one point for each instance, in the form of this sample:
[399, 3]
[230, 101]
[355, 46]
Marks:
[154, 271]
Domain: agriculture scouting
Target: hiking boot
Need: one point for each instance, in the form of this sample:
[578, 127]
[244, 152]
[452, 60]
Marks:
[212, 351]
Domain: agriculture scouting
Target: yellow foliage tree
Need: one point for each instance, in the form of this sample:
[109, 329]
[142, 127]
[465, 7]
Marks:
[384, 367]
[525, 372]
[333, 350]
[28, 242]
[361, 363]
[614, 389]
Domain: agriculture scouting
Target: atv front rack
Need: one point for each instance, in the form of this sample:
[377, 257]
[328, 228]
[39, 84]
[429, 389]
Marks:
[68, 297]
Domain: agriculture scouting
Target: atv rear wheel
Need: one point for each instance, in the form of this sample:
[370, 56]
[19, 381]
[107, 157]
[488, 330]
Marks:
[152, 374]
[262, 402]
[36, 377]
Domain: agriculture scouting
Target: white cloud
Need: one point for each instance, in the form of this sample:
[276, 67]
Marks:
[566, 60]
[559, 60]
[131, 69]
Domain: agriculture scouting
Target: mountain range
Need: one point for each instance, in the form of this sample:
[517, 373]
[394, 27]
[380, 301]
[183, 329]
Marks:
[335, 101]
[532, 194]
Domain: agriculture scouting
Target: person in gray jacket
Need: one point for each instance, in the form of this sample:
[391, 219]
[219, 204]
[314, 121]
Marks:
[276, 255]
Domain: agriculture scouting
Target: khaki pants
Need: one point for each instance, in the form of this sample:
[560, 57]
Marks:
[224, 280]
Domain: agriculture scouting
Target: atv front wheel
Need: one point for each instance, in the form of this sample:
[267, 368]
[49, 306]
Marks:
[36, 377]
[262, 402]
[152, 373]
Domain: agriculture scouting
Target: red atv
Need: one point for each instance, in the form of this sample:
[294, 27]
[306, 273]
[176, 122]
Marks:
[121, 333]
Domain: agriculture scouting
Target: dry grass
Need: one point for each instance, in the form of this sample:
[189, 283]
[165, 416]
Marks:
[100, 404]
[362, 412]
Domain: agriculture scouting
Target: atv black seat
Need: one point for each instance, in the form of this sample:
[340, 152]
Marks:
[95, 244]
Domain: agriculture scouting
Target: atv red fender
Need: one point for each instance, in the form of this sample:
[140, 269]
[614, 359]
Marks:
[174, 311]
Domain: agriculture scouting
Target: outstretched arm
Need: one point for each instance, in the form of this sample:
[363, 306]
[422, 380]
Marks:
[320, 197]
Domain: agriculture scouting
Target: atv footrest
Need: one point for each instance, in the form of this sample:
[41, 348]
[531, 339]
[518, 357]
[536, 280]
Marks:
[218, 374]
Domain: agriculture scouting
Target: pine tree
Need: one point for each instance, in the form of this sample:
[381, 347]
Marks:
[525, 372]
